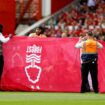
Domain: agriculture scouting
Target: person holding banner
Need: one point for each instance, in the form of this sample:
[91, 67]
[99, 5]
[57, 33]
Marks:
[89, 58]
[2, 40]
[39, 32]
[87, 82]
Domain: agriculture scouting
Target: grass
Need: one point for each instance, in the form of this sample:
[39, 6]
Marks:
[45, 98]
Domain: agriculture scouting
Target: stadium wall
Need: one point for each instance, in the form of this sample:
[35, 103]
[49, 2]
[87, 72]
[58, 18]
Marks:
[8, 16]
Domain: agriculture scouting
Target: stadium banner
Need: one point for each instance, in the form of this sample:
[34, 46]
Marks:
[45, 64]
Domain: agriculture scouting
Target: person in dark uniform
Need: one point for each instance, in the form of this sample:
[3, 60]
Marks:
[89, 56]
[2, 40]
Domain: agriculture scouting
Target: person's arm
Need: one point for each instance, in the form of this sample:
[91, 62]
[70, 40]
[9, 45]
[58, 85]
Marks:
[79, 43]
[3, 39]
[30, 35]
[33, 35]
[99, 45]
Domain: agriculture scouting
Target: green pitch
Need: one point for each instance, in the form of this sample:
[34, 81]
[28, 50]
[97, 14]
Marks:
[45, 98]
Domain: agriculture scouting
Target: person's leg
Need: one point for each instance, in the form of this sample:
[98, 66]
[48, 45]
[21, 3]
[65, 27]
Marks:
[87, 83]
[87, 86]
[94, 76]
[1, 65]
[84, 75]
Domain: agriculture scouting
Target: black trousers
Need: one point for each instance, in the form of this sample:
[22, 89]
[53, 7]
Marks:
[91, 67]
[1, 65]
[87, 88]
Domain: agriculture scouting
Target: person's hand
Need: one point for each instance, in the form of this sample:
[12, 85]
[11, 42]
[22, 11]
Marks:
[10, 36]
[80, 39]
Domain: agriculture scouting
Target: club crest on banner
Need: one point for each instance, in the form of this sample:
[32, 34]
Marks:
[33, 58]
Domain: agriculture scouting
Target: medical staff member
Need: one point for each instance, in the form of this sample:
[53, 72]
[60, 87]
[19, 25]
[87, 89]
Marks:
[89, 59]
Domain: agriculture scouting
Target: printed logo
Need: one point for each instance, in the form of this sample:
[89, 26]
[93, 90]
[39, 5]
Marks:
[33, 58]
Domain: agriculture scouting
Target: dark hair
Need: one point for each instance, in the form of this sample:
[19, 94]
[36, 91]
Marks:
[41, 28]
[90, 33]
[1, 28]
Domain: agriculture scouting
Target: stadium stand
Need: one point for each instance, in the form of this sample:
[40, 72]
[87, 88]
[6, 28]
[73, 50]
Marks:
[74, 20]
